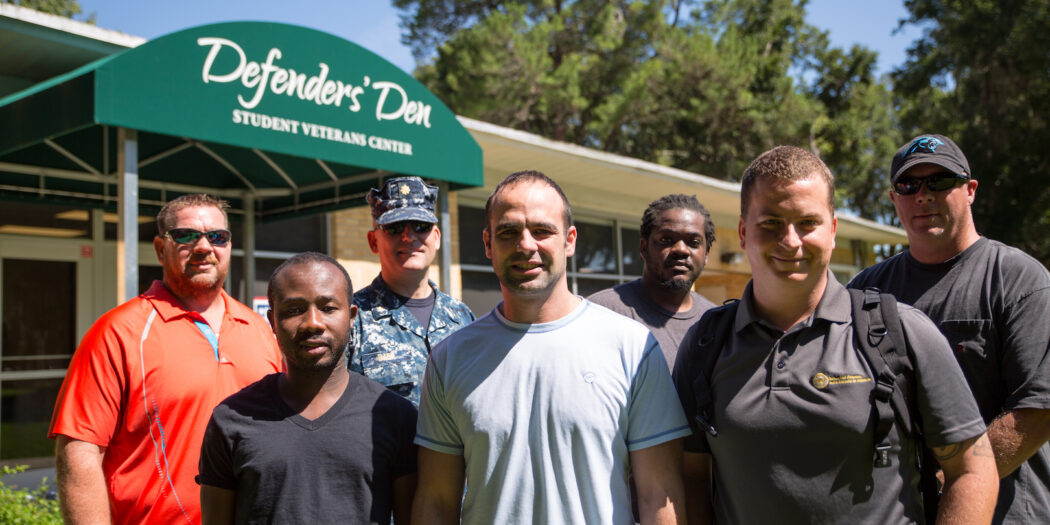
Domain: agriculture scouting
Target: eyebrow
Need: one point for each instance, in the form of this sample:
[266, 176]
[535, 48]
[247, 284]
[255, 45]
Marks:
[299, 298]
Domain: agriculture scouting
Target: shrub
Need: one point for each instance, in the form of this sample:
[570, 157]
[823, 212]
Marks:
[23, 506]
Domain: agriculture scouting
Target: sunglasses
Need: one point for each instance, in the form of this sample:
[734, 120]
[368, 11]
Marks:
[941, 181]
[191, 236]
[395, 228]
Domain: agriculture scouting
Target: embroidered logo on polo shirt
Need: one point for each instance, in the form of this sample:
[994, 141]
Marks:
[822, 381]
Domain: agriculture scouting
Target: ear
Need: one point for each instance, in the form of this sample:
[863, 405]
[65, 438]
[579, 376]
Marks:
[893, 196]
[741, 232]
[158, 246]
[486, 239]
[372, 244]
[643, 246]
[834, 230]
[437, 240]
[269, 317]
[353, 312]
[570, 242]
[971, 190]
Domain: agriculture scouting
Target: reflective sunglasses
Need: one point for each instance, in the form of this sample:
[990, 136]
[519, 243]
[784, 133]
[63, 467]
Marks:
[191, 236]
[395, 228]
[944, 180]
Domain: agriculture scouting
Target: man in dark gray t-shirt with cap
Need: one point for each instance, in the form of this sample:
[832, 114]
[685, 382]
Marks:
[990, 300]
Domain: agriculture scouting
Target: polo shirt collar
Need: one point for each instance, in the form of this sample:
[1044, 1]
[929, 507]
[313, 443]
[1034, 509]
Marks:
[169, 307]
[834, 306]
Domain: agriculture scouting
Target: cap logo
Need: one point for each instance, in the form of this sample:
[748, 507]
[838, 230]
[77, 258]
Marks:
[404, 189]
[924, 145]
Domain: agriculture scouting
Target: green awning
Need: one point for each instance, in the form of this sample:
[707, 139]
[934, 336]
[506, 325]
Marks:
[300, 120]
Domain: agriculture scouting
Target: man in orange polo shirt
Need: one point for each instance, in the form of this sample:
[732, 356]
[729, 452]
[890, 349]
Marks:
[130, 418]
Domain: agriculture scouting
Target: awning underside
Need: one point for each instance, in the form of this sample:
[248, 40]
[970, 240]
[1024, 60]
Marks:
[80, 166]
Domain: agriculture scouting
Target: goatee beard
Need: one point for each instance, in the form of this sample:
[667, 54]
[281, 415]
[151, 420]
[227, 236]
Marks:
[675, 284]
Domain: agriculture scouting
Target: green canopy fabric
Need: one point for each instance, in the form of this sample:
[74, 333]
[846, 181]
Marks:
[298, 120]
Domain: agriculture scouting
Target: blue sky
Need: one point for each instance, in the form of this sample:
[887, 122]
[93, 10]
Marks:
[373, 24]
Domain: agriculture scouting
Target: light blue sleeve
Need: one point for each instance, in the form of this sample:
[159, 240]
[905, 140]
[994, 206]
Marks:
[436, 428]
[654, 415]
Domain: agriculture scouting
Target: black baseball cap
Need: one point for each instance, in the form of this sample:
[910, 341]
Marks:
[403, 199]
[929, 149]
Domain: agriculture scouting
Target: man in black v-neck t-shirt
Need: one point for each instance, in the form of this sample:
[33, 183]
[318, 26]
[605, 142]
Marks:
[315, 444]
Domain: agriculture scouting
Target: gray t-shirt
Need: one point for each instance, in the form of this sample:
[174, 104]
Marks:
[338, 468]
[546, 415]
[992, 302]
[672, 329]
[788, 451]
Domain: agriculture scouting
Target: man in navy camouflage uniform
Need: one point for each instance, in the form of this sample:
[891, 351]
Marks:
[402, 314]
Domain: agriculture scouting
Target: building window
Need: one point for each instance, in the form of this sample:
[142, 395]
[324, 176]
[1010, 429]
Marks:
[606, 255]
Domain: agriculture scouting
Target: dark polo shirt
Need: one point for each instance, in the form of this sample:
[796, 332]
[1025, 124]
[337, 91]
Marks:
[790, 452]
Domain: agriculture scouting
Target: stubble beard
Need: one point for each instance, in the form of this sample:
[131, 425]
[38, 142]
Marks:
[198, 285]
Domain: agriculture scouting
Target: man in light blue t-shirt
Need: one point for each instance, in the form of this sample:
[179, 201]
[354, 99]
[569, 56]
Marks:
[543, 405]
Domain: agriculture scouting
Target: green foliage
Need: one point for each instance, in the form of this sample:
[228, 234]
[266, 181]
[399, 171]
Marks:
[66, 8]
[857, 134]
[20, 506]
[703, 86]
[981, 75]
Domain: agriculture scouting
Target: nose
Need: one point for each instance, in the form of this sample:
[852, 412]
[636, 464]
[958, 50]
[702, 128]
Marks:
[202, 245]
[527, 243]
[791, 237]
[312, 321]
[924, 194]
[680, 247]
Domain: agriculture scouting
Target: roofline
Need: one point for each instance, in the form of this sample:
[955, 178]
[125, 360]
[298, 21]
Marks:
[68, 25]
[620, 161]
[678, 175]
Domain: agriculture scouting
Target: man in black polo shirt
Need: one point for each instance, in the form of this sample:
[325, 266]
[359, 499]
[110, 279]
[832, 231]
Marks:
[792, 393]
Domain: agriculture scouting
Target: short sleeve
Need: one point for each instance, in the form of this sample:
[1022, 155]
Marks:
[947, 408]
[654, 414]
[89, 404]
[436, 429]
[216, 463]
[1026, 352]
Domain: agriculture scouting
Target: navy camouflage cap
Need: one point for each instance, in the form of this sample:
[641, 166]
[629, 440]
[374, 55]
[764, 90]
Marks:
[403, 199]
[929, 149]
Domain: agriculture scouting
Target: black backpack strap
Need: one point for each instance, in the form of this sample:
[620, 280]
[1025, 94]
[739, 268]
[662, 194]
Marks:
[879, 334]
[713, 330]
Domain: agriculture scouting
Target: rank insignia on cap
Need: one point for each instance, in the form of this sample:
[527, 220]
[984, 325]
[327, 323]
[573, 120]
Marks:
[405, 189]
[820, 380]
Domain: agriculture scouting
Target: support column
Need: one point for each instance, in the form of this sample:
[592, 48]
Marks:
[127, 214]
[249, 249]
[445, 223]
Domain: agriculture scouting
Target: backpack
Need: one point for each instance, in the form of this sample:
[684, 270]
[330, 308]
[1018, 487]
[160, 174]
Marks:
[878, 333]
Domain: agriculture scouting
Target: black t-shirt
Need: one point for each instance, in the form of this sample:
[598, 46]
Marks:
[285, 468]
[992, 302]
